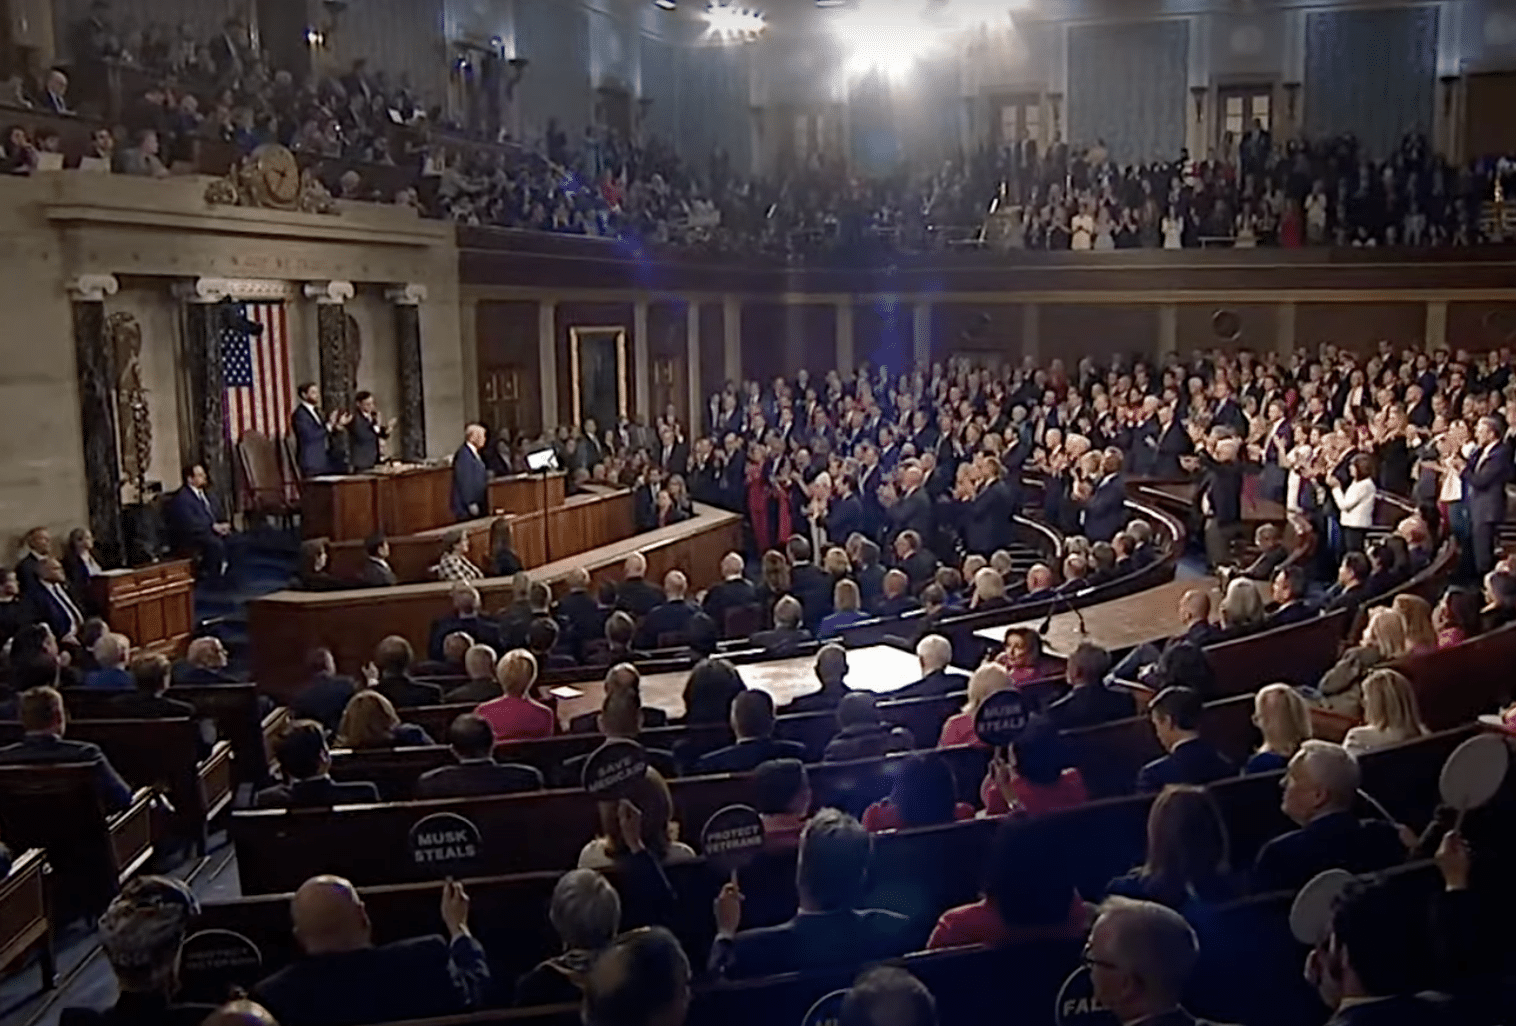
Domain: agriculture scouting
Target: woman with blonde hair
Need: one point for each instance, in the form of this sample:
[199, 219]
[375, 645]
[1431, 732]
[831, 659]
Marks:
[1383, 640]
[1283, 718]
[1241, 608]
[1420, 635]
[846, 610]
[988, 680]
[836, 563]
[989, 590]
[1390, 713]
[370, 721]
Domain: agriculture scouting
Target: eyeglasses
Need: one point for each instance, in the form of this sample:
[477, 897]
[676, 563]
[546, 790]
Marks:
[1087, 956]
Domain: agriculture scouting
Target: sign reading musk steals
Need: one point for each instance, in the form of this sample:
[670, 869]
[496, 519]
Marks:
[444, 839]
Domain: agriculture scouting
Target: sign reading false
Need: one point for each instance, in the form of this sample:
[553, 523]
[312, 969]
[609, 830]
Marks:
[214, 962]
[732, 838]
[614, 768]
[446, 842]
[1000, 719]
[1077, 1005]
[827, 1011]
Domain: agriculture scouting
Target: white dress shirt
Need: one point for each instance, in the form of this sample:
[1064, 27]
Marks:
[1355, 505]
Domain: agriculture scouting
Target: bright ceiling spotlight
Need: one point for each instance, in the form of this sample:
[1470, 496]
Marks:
[666, 5]
[885, 38]
[725, 21]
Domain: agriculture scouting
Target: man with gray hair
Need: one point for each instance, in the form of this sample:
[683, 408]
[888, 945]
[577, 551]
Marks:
[1320, 788]
[734, 592]
[465, 618]
[1139, 955]
[479, 665]
[586, 914]
[787, 634]
[634, 594]
[111, 653]
[935, 654]
[1089, 701]
[831, 669]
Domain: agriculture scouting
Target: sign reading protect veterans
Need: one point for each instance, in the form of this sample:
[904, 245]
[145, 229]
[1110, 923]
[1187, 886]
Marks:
[614, 767]
[212, 962]
[732, 838]
[1000, 719]
[446, 842]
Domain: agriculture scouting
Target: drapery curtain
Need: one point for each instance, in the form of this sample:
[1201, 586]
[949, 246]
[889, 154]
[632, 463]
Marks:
[1372, 73]
[1127, 86]
[554, 35]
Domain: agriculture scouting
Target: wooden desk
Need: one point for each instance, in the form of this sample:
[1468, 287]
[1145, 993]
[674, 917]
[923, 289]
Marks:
[523, 493]
[1120, 623]
[286, 625]
[154, 605]
[350, 507]
[23, 915]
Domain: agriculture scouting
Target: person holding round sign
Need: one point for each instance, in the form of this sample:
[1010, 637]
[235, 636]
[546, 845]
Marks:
[637, 821]
[959, 728]
[1139, 958]
[1034, 776]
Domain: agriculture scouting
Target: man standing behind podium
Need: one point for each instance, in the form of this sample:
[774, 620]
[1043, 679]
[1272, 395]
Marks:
[313, 431]
[366, 433]
[471, 479]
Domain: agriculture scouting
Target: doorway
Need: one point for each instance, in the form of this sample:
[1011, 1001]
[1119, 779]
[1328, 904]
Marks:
[597, 374]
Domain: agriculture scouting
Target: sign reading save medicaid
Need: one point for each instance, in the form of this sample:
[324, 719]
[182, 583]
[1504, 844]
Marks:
[614, 767]
[445, 842]
[1000, 718]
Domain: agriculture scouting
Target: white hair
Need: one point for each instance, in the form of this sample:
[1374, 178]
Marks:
[1152, 942]
[479, 660]
[935, 652]
[1330, 767]
[112, 649]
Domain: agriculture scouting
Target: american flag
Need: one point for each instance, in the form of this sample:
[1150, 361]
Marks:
[259, 392]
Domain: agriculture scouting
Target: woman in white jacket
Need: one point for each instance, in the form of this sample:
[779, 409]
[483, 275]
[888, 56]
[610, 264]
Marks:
[1355, 503]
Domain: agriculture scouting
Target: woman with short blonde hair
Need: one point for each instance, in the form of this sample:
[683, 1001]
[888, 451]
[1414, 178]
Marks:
[1383, 641]
[1283, 718]
[989, 679]
[1390, 713]
[1416, 612]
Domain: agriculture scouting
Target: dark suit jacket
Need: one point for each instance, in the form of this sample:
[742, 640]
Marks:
[870, 585]
[1087, 705]
[1191, 762]
[1295, 612]
[1400, 1010]
[190, 521]
[323, 699]
[404, 691]
[50, 750]
[1105, 512]
[320, 792]
[415, 978]
[478, 690]
[1337, 841]
[813, 587]
[727, 595]
[585, 618]
[912, 513]
[676, 461]
[636, 596]
[666, 618]
[920, 567]
[471, 484]
[139, 705]
[28, 572]
[310, 443]
[1484, 481]
[941, 682]
[814, 939]
[987, 520]
[589, 723]
[1223, 483]
[780, 640]
[843, 518]
[1173, 443]
[746, 755]
[482, 630]
[42, 606]
[478, 778]
[186, 674]
[364, 437]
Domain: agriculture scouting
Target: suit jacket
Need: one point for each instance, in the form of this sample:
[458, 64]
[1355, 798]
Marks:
[847, 937]
[376, 573]
[583, 616]
[1223, 483]
[1173, 442]
[870, 585]
[1091, 704]
[43, 606]
[912, 513]
[28, 572]
[987, 520]
[310, 442]
[479, 690]
[939, 682]
[184, 673]
[674, 461]
[666, 618]
[468, 779]
[417, 978]
[363, 437]
[1336, 841]
[404, 691]
[316, 793]
[1400, 1010]
[845, 517]
[471, 484]
[323, 698]
[1191, 762]
[920, 568]
[589, 723]
[139, 705]
[780, 640]
[813, 587]
[636, 596]
[732, 594]
[484, 632]
[1484, 481]
[190, 521]
[1295, 612]
[50, 750]
[746, 755]
[1105, 512]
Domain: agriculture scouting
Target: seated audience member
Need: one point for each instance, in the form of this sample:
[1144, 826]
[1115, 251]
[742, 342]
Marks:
[984, 682]
[753, 726]
[642, 979]
[1383, 641]
[1390, 714]
[1027, 895]
[620, 716]
[392, 658]
[622, 676]
[142, 932]
[542, 641]
[862, 734]
[701, 637]
[1416, 613]
[324, 695]
[454, 647]
[634, 594]
[1456, 617]
[1175, 716]
[1499, 600]
[831, 668]
[204, 663]
[377, 572]
[868, 571]
[1157, 667]
[241, 1012]
[370, 721]
[1241, 610]
[1383, 573]
[1041, 584]
[1140, 955]
[146, 700]
[503, 559]
[1076, 570]
[1367, 971]
[1036, 778]
[773, 583]
[196, 525]
[44, 721]
[479, 667]
[111, 654]
[1144, 549]
[313, 573]
[1288, 592]
[464, 619]
[1090, 701]
[1352, 588]
[1020, 654]
[709, 693]
[515, 617]
[1187, 861]
[1272, 554]
[918, 564]
[787, 634]
[306, 764]
[1102, 564]
[579, 611]
[829, 929]
[1284, 720]
[924, 794]
[345, 978]
[935, 654]
[810, 584]
[950, 580]
[734, 592]
[616, 646]
[515, 716]
[586, 915]
[455, 564]
[477, 772]
[897, 600]
[13, 611]
[1320, 789]
[666, 623]
[647, 806]
[887, 996]
[846, 610]
[782, 795]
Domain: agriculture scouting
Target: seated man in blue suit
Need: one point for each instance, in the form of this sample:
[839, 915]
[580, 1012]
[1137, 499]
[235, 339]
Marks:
[197, 524]
[50, 602]
[471, 478]
[1175, 715]
[43, 719]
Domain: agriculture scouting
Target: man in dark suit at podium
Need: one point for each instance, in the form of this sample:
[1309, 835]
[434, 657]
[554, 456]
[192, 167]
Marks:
[312, 432]
[366, 434]
[197, 524]
[471, 479]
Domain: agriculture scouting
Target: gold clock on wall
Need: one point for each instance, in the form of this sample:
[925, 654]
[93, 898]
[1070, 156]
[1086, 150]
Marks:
[274, 174]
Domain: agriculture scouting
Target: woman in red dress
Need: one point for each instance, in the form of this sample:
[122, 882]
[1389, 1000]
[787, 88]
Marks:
[757, 497]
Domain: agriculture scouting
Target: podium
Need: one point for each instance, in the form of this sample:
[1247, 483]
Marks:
[154, 605]
[351, 507]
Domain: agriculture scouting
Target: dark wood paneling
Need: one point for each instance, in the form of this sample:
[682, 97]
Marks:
[811, 338]
[1488, 126]
[977, 327]
[762, 341]
[1256, 325]
[510, 367]
[1359, 326]
[882, 334]
[1481, 325]
[590, 315]
[667, 326]
[1070, 332]
[712, 349]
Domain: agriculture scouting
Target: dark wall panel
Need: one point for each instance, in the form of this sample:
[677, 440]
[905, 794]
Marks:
[668, 360]
[882, 333]
[590, 315]
[1070, 332]
[509, 366]
[811, 341]
[977, 328]
[1227, 326]
[1359, 326]
[1481, 325]
[763, 356]
[712, 348]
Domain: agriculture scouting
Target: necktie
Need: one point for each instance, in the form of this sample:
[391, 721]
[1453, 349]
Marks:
[75, 618]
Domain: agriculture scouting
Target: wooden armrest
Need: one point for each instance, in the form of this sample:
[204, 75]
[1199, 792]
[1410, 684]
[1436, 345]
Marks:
[132, 833]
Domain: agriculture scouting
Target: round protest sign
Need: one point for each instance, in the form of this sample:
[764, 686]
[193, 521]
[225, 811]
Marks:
[446, 842]
[732, 838]
[1000, 719]
[613, 768]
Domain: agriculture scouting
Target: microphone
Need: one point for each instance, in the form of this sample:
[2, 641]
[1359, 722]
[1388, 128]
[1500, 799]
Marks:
[1047, 621]
[1067, 600]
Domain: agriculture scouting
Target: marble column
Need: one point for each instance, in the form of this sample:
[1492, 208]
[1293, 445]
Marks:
[846, 361]
[95, 361]
[921, 334]
[1436, 324]
[692, 365]
[642, 363]
[731, 325]
[1284, 330]
[407, 300]
[1168, 329]
[1031, 332]
[339, 370]
[205, 316]
[547, 363]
